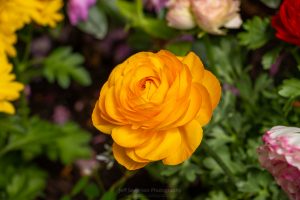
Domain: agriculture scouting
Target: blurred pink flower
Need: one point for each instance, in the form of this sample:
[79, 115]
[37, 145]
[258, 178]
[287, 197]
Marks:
[86, 167]
[280, 155]
[212, 15]
[209, 15]
[157, 5]
[78, 10]
[61, 114]
[179, 15]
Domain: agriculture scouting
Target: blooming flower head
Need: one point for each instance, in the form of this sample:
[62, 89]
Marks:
[154, 106]
[211, 15]
[78, 10]
[179, 15]
[280, 155]
[48, 13]
[9, 88]
[15, 14]
[287, 22]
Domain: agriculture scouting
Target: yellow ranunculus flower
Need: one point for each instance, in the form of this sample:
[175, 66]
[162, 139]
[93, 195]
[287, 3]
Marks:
[9, 89]
[154, 106]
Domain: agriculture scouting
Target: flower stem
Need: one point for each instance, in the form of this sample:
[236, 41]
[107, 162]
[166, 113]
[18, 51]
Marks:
[220, 162]
[209, 51]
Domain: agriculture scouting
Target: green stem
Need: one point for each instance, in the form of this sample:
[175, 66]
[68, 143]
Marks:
[296, 56]
[220, 162]
[209, 52]
[122, 180]
[98, 180]
[27, 45]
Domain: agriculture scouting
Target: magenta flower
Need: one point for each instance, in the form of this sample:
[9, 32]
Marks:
[280, 155]
[78, 10]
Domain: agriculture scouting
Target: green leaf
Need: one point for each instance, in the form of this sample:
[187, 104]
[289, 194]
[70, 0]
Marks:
[128, 10]
[91, 191]
[67, 142]
[109, 195]
[271, 3]
[257, 33]
[133, 12]
[217, 195]
[179, 48]
[157, 28]
[270, 58]
[62, 65]
[290, 88]
[26, 184]
[80, 185]
[96, 24]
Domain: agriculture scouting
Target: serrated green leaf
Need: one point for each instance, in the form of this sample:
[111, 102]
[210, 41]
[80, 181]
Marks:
[257, 33]
[26, 184]
[62, 65]
[63, 80]
[290, 88]
[81, 76]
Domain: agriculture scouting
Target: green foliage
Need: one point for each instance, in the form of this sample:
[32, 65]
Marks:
[290, 88]
[96, 24]
[38, 137]
[179, 48]
[270, 58]
[257, 33]
[23, 140]
[62, 65]
[19, 182]
[133, 11]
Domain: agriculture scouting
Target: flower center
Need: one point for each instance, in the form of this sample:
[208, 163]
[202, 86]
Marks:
[148, 87]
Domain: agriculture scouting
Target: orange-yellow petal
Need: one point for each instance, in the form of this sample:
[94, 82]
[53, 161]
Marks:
[191, 136]
[160, 145]
[213, 87]
[194, 106]
[101, 124]
[195, 65]
[205, 112]
[131, 154]
[125, 136]
[122, 158]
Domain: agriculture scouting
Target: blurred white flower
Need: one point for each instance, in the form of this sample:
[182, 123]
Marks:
[280, 155]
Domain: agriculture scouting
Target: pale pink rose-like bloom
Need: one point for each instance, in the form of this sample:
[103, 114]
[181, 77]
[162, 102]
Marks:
[212, 15]
[280, 155]
[179, 14]
[78, 10]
